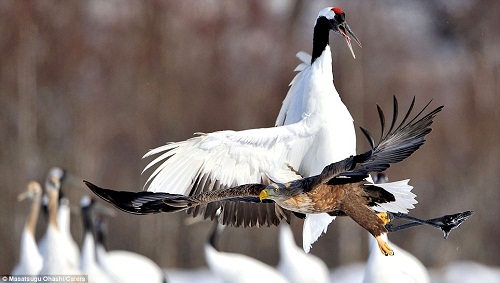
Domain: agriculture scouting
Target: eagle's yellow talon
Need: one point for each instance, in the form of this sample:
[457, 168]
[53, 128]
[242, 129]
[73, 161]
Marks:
[384, 217]
[384, 247]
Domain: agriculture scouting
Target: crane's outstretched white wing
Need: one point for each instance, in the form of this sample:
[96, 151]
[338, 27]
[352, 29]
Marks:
[228, 158]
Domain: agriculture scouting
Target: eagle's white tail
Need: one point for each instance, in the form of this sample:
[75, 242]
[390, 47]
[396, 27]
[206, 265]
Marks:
[401, 190]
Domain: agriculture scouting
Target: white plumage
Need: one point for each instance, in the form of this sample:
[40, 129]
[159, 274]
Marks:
[231, 267]
[30, 259]
[399, 268]
[296, 265]
[313, 129]
[69, 245]
[402, 266]
[401, 190]
[237, 268]
[88, 260]
[55, 257]
[124, 266]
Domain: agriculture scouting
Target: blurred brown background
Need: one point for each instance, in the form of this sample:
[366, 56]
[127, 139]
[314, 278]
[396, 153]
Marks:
[92, 85]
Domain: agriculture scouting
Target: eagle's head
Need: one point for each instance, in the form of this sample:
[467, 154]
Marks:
[279, 192]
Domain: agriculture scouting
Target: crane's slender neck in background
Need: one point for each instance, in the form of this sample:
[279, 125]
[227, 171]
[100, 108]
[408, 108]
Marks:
[33, 217]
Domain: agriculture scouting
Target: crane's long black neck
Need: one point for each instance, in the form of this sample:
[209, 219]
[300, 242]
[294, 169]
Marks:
[215, 234]
[320, 37]
[87, 220]
[99, 231]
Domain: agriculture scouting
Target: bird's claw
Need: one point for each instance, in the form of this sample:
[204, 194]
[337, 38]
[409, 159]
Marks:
[385, 217]
[384, 247]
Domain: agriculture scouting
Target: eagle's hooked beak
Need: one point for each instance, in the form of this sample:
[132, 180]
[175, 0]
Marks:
[264, 194]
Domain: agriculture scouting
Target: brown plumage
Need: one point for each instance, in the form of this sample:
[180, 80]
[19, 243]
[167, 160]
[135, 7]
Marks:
[340, 189]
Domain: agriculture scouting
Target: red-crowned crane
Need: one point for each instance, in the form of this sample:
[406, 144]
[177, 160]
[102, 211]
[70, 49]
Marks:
[313, 129]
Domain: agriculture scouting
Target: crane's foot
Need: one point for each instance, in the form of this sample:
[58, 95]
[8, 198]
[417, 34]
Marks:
[385, 217]
[384, 247]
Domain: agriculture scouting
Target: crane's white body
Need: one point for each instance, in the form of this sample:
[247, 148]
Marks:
[298, 266]
[401, 267]
[55, 260]
[64, 224]
[238, 268]
[55, 256]
[128, 267]
[30, 259]
[88, 261]
[71, 249]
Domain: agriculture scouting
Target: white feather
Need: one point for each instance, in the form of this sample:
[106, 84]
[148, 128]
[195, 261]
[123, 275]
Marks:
[401, 190]
[314, 226]
[30, 260]
[129, 267]
[88, 261]
[296, 265]
[66, 241]
[401, 267]
[238, 268]
[55, 259]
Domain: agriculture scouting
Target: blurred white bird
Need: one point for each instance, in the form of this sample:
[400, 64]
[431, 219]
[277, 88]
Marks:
[296, 265]
[401, 267]
[88, 261]
[30, 259]
[63, 219]
[55, 256]
[123, 266]
[313, 129]
[236, 268]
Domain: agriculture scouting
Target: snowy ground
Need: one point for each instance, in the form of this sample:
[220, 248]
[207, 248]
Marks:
[457, 272]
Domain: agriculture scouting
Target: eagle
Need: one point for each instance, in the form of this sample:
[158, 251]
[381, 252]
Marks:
[341, 189]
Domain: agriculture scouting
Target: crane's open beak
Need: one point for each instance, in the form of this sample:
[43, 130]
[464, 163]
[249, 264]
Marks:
[345, 31]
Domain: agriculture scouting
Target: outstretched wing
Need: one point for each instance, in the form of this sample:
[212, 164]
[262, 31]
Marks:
[394, 146]
[240, 205]
[227, 158]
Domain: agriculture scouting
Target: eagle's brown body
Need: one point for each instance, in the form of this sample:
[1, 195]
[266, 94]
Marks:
[350, 199]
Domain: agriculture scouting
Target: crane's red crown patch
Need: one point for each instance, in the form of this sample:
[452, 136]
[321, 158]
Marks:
[337, 10]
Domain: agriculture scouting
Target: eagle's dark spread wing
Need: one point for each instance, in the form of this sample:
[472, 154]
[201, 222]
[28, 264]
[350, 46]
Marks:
[241, 204]
[394, 146]
[399, 142]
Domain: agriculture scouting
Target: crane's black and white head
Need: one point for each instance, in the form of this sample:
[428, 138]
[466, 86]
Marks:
[333, 18]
